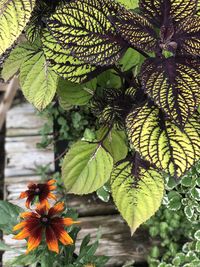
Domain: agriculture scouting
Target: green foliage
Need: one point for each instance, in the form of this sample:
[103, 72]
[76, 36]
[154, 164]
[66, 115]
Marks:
[41, 90]
[141, 76]
[137, 196]
[115, 143]
[129, 4]
[75, 94]
[13, 18]
[16, 59]
[177, 224]
[144, 127]
[8, 216]
[86, 167]
[131, 59]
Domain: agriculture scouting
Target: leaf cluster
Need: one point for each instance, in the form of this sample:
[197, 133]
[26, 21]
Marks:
[138, 69]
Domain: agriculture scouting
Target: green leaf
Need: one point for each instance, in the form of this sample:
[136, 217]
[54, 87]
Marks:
[197, 246]
[38, 81]
[14, 14]
[86, 167]
[90, 35]
[136, 197]
[64, 64]
[177, 95]
[195, 193]
[103, 194]
[189, 212]
[197, 235]
[186, 181]
[129, 4]
[161, 142]
[109, 79]
[76, 94]
[16, 58]
[130, 59]
[9, 214]
[23, 260]
[115, 143]
[174, 200]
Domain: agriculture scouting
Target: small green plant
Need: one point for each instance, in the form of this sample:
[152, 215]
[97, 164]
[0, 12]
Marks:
[50, 231]
[177, 224]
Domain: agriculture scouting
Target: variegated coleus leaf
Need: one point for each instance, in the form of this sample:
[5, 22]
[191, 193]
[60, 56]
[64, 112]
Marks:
[65, 65]
[137, 191]
[136, 30]
[159, 11]
[187, 36]
[14, 15]
[177, 23]
[83, 27]
[173, 84]
[161, 142]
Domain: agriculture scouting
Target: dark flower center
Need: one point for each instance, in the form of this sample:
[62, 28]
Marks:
[37, 191]
[44, 220]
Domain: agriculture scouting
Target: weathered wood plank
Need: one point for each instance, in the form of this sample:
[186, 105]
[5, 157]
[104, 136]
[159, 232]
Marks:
[22, 121]
[23, 157]
[3, 86]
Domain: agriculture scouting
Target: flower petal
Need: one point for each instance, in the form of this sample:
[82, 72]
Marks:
[35, 238]
[19, 226]
[23, 234]
[63, 221]
[52, 196]
[29, 214]
[65, 238]
[43, 206]
[59, 207]
[69, 221]
[41, 209]
[52, 181]
[51, 239]
[28, 201]
[61, 234]
[24, 194]
[51, 187]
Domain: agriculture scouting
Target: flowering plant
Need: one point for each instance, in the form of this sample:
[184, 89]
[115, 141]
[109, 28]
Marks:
[50, 232]
[136, 65]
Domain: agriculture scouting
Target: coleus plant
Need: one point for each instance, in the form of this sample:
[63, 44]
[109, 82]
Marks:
[140, 69]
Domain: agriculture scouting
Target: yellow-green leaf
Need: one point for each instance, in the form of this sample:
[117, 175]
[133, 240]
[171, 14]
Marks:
[75, 94]
[16, 58]
[84, 28]
[63, 63]
[136, 197]
[115, 143]
[161, 142]
[86, 167]
[14, 14]
[38, 81]
[129, 4]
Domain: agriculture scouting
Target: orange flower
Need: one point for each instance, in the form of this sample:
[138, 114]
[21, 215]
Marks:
[46, 221]
[42, 191]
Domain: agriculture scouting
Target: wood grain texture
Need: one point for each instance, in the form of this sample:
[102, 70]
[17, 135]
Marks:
[22, 120]
[23, 156]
